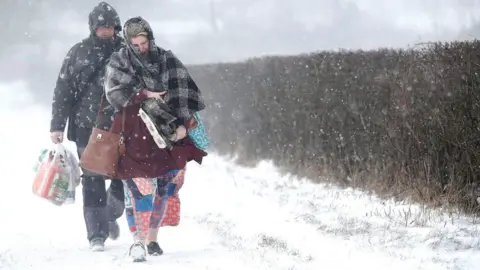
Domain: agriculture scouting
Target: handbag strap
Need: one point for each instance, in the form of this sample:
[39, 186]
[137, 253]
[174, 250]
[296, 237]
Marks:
[102, 106]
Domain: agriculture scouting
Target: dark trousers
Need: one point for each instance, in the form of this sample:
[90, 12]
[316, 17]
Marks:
[100, 206]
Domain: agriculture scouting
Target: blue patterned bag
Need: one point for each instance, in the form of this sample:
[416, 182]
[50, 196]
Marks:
[198, 135]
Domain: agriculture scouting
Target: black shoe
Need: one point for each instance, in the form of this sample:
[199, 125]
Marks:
[154, 249]
[113, 230]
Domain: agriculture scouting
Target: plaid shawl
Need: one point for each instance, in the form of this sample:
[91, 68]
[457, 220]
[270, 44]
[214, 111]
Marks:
[128, 72]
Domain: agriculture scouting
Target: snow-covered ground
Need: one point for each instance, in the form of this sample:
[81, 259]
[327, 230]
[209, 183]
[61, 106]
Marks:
[232, 218]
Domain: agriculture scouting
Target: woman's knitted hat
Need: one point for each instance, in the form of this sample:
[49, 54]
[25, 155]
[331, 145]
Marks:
[135, 29]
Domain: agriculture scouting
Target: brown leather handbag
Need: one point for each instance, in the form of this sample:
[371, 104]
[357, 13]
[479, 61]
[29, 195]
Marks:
[104, 149]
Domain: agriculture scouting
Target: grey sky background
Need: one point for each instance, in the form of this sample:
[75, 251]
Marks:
[204, 31]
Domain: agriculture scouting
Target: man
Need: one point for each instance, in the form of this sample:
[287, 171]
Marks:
[77, 97]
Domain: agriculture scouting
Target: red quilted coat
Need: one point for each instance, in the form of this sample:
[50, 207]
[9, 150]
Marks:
[143, 158]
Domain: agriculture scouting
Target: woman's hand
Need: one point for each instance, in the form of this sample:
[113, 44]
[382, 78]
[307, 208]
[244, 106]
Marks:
[155, 95]
[180, 133]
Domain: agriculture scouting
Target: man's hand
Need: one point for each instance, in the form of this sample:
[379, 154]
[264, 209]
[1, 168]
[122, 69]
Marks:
[180, 133]
[155, 95]
[56, 137]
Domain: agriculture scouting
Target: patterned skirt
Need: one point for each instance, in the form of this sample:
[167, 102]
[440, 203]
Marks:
[151, 203]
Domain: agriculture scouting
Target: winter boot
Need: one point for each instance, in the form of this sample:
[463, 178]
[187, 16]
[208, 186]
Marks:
[154, 249]
[137, 252]
[97, 245]
[155, 113]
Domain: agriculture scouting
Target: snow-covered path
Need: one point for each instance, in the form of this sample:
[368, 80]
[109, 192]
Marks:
[232, 218]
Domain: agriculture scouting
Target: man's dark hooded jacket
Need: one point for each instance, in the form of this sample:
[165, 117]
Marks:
[79, 85]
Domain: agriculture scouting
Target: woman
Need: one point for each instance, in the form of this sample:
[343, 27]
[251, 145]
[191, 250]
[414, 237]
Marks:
[144, 78]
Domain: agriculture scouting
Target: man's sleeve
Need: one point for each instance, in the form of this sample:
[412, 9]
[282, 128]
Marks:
[64, 93]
